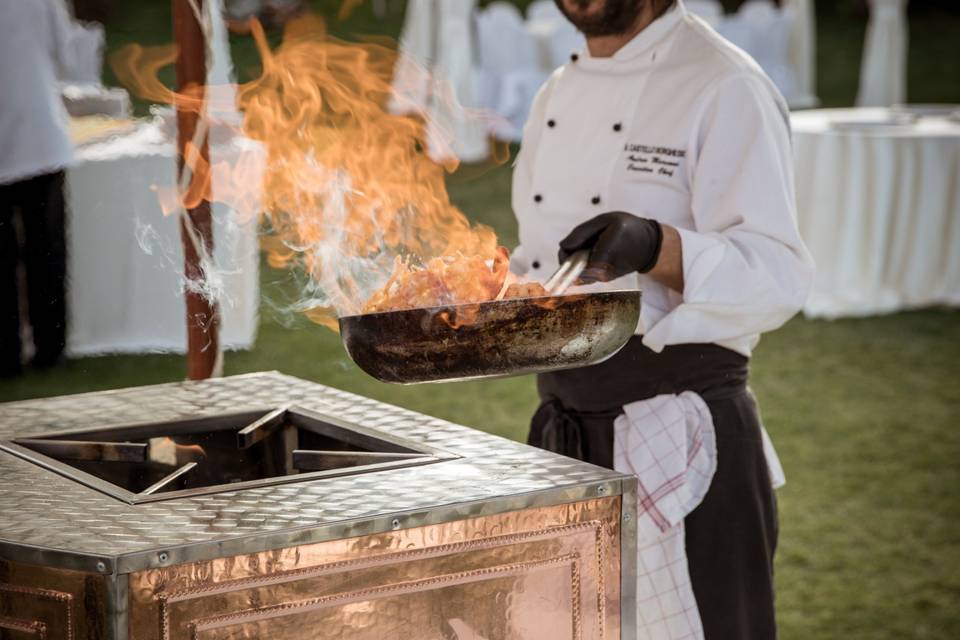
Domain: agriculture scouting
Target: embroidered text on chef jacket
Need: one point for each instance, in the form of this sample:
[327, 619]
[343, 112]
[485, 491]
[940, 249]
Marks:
[682, 127]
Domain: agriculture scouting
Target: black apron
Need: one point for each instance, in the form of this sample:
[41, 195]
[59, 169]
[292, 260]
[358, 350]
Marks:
[732, 535]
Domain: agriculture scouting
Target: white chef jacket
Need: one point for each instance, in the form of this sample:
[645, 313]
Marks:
[34, 53]
[682, 127]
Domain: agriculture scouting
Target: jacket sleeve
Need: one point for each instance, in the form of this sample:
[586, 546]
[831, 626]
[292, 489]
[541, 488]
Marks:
[745, 268]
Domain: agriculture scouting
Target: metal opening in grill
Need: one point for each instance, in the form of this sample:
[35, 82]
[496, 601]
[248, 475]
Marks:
[159, 461]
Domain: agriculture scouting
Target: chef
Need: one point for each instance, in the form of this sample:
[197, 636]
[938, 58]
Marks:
[665, 151]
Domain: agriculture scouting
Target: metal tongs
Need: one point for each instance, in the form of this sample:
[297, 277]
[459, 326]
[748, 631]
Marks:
[568, 273]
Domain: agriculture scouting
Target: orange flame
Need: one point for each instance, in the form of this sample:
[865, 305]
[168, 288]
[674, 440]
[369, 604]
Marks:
[166, 450]
[347, 191]
[448, 280]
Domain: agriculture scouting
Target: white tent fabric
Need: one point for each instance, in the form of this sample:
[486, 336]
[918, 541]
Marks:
[436, 76]
[510, 67]
[883, 73]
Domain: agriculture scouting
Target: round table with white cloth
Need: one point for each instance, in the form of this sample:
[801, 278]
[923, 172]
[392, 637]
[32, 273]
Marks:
[878, 204]
[125, 257]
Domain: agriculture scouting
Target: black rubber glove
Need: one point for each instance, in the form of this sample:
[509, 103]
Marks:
[619, 243]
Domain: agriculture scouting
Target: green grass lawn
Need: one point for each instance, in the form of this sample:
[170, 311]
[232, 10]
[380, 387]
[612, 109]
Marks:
[865, 412]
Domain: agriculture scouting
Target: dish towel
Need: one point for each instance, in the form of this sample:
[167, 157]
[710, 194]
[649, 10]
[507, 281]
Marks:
[668, 442]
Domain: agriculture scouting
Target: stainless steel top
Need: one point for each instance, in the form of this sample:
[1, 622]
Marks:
[45, 517]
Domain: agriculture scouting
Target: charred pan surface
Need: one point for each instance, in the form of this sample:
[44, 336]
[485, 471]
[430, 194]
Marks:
[497, 338]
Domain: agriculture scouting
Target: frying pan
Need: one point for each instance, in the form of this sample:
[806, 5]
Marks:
[487, 339]
[495, 338]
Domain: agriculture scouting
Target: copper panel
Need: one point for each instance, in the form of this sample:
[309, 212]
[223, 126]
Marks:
[37, 602]
[550, 572]
[17, 628]
[465, 604]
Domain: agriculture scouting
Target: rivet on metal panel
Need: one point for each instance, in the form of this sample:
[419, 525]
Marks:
[395, 524]
[102, 566]
[602, 490]
[163, 556]
[626, 517]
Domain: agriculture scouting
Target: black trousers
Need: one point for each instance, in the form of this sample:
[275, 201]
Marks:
[39, 201]
[731, 536]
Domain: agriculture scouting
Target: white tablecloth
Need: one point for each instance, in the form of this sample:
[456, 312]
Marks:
[879, 208]
[125, 257]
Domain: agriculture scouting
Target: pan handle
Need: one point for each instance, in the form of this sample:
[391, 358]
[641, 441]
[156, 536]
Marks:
[568, 272]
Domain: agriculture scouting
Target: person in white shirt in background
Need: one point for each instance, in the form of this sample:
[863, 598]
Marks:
[34, 150]
[665, 151]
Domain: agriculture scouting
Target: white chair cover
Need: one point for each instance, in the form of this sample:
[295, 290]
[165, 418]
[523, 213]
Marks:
[564, 39]
[511, 72]
[803, 51]
[710, 10]
[411, 79]
[883, 73]
[436, 76]
[763, 30]
[544, 10]
[504, 42]
[555, 36]
[771, 28]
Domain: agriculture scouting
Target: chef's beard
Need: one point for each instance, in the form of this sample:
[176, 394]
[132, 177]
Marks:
[615, 18]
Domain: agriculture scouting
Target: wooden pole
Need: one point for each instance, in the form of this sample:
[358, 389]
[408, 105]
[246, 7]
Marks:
[203, 317]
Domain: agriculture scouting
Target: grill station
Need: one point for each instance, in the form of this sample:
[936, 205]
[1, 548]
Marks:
[264, 506]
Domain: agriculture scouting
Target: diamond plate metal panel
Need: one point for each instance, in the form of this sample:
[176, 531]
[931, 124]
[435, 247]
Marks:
[44, 513]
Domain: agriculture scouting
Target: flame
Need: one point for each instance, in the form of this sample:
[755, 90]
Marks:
[447, 280]
[166, 450]
[524, 290]
[344, 187]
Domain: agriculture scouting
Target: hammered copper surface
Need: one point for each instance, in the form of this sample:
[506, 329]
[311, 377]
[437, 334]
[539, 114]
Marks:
[496, 338]
[77, 524]
[39, 602]
[546, 573]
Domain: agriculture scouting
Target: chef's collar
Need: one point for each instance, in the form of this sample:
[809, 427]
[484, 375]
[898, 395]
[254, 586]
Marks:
[643, 43]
